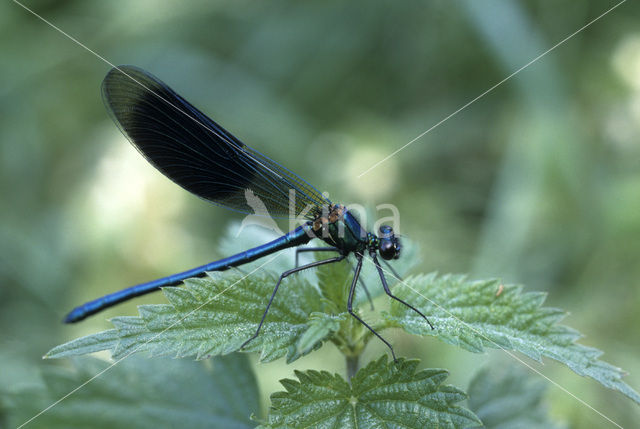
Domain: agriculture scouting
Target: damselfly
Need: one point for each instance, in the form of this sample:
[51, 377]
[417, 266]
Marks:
[206, 160]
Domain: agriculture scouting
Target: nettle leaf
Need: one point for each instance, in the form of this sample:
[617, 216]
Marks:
[334, 281]
[211, 316]
[509, 397]
[479, 314]
[140, 393]
[381, 394]
[321, 327]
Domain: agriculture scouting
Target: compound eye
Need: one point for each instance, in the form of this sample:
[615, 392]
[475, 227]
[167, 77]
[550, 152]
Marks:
[385, 231]
[398, 247]
[387, 249]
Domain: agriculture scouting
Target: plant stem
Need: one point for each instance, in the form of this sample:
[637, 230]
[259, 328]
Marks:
[352, 366]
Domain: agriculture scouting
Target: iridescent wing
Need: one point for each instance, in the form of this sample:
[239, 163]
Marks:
[198, 154]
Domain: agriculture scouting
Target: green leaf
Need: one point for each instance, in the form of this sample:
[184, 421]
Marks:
[211, 316]
[105, 340]
[380, 395]
[509, 397]
[140, 393]
[321, 327]
[214, 316]
[334, 281]
[479, 314]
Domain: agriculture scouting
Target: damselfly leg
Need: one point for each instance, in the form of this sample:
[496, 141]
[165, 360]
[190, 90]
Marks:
[313, 249]
[335, 249]
[352, 290]
[393, 271]
[282, 276]
[388, 291]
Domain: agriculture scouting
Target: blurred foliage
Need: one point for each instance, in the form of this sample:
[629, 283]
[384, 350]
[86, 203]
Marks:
[538, 182]
[510, 397]
[141, 393]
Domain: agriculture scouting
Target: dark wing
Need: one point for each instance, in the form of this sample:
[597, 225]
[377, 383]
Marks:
[198, 154]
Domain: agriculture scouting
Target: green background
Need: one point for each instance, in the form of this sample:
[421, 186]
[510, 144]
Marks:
[538, 182]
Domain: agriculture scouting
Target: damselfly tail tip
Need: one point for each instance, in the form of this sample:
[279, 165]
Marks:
[74, 316]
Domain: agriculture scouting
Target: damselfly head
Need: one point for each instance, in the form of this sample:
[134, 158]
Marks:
[389, 245]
